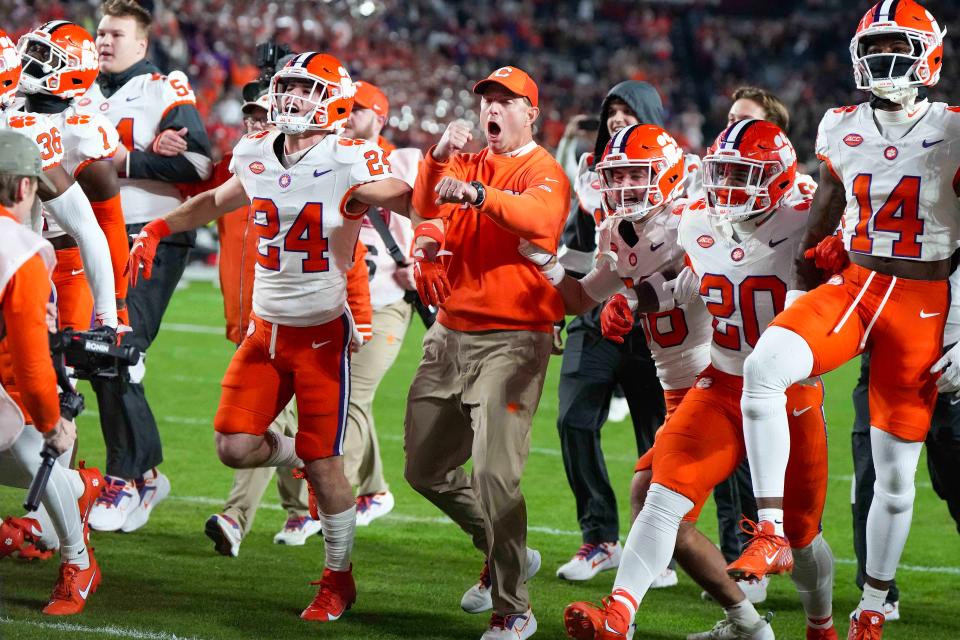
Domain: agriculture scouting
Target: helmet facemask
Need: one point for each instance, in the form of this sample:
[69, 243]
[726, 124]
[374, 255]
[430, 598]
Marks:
[738, 188]
[296, 113]
[894, 76]
[630, 189]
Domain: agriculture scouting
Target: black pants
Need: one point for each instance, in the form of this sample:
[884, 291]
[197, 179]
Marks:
[734, 498]
[592, 367]
[129, 428]
[943, 463]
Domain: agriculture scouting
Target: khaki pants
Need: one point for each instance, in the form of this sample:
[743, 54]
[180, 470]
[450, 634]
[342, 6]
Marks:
[249, 484]
[474, 396]
[361, 451]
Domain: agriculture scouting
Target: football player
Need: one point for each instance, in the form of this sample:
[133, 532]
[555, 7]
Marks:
[60, 64]
[30, 419]
[888, 172]
[309, 189]
[734, 242]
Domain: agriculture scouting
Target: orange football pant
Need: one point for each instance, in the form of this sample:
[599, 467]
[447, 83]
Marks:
[277, 362]
[672, 398]
[74, 300]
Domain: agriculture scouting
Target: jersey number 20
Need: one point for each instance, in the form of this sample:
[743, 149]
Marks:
[304, 236]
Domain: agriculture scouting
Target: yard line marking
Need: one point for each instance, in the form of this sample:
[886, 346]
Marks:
[393, 516]
[192, 328]
[119, 632]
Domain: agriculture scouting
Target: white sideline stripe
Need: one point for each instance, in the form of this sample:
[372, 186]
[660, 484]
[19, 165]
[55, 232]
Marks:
[119, 632]
[550, 531]
[193, 328]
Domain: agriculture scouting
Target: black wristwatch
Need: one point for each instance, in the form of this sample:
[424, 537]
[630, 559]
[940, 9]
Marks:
[481, 193]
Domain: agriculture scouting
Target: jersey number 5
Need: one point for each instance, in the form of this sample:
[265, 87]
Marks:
[899, 214]
[305, 235]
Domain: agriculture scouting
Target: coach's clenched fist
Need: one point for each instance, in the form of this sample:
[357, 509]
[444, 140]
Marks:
[453, 140]
[453, 190]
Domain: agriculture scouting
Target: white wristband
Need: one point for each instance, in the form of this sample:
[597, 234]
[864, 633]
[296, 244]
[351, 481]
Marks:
[555, 274]
[664, 296]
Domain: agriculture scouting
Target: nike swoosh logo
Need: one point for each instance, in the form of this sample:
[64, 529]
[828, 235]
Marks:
[76, 272]
[609, 629]
[551, 180]
[317, 345]
[775, 243]
[131, 99]
[801, 411]
[597, 563]
[930, 144]
[954, 400]
[927, 315]
[654, 247]
[772, 557]
[85, 592]
[317, 174]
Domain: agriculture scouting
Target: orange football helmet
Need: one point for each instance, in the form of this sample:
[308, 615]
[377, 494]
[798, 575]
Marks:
[9, 70]
[59, 59]
[895, 76]
[324, 101]
[641, 171]
[749, 169]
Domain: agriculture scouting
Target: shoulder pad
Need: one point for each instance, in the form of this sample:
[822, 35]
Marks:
[350, 151]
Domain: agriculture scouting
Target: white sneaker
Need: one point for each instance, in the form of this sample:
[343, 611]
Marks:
[727, 630]
[891, 611]
[665, 580]
[373, 506]
[477, 598]
[115, 503]
[513, 627]
[225, 533]
[619, 409]
[296, 531]
[755, 590]
[590, 560]
[154, 487]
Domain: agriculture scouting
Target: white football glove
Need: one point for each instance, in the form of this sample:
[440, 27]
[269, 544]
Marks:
[949, 368]
[685, 287]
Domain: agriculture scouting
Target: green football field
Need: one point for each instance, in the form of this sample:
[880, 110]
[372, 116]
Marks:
[166, 582]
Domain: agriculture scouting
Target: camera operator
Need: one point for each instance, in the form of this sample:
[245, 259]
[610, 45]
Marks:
[30, 420]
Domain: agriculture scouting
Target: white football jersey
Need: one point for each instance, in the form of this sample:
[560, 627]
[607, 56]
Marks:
[136, 110]
[743, 284]
[306, 236]
[901, 199]
[679, 338]
[86, 138]
[384, 289]
[41, 129]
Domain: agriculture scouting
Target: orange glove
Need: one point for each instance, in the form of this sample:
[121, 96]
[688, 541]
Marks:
[829, 255]
[616, 319]
[429, 274]
[144, 249]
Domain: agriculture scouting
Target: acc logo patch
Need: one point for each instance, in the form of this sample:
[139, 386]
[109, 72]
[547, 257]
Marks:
[257, 167]
[284, 180]
[737, 254]
[84, 102]
[595, 185]
[705, 241]
[890, 153]
[704, 383]
[853, 139]
[836, 279]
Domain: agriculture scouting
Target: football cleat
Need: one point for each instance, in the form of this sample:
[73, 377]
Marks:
[590, 560]
[619, 409]
[609, 621]
[516, 626]
[478, 599]
[225, 533]
[815, 633]
[373, 506]
[337, 593]
[153, 488]
[755, 590]
[868, 625]
[114, 504]
[665, 580]
[729, 630]
[765, 554]
[296, 531]
[73, 588]
[21, 536]
[891, 611]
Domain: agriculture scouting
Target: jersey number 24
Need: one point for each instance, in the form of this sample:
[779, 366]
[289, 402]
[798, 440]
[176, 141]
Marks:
[305, 235]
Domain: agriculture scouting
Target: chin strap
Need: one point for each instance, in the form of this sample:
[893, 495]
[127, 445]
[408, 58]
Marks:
[906, 98]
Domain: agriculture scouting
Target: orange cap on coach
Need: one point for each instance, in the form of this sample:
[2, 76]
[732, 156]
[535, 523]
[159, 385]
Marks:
[371, 97]
[513, 79]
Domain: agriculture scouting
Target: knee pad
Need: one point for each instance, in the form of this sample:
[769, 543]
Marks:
[893, 503]
[780, 359]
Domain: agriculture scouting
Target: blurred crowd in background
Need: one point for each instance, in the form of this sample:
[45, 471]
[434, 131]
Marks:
[425, 54]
